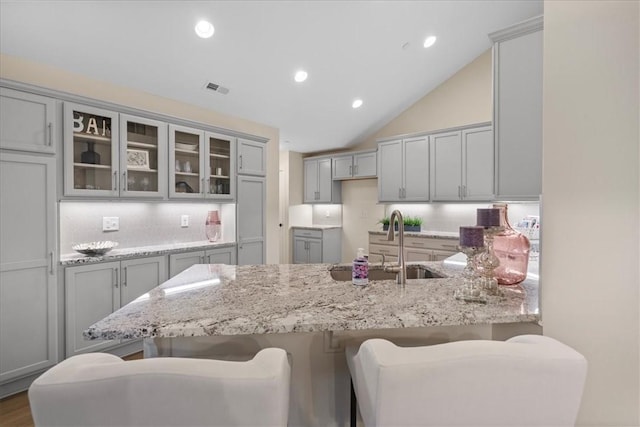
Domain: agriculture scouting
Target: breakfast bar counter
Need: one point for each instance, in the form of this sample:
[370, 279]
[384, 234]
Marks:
[232, 312]
[208, 300]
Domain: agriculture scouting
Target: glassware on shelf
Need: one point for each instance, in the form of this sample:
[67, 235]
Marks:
[213, 227]
[90, 156]
[512, 250]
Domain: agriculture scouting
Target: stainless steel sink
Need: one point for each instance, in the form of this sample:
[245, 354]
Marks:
[343, 273]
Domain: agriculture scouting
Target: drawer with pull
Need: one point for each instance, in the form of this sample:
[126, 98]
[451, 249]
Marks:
[304, 232]
[381, 239]
[429, 243]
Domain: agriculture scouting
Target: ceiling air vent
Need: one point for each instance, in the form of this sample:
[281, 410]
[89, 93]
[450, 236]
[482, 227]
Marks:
[215, 87]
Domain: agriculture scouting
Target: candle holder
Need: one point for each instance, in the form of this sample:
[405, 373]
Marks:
[472, 289]
[488, 261]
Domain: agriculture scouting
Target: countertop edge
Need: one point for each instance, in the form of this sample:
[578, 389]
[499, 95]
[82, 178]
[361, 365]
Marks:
[72, 259]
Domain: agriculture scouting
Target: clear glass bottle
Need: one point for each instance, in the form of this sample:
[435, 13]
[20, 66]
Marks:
[512, 249]
[213, 228]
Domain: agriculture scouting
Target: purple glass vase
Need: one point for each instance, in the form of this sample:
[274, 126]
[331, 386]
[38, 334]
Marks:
[512, 250]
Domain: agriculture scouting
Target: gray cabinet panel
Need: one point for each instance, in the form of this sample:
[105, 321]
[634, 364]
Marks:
[319, 186]
[416, 170]
[252, 158]
[446, 166]
[180, 262]
[91, 294]
[300, 253]
[28, 289]
[27, 122]
[365, 165]
[390, 171]
[342, 167]
[221, 256]
[478, 171]
[250, 212]
[139, 276]
[316, 245]
[518, 111]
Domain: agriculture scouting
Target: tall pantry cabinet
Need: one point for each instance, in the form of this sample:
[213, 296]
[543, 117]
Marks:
[28, 248]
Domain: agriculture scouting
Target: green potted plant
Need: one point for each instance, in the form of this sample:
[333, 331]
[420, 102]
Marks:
[410, 223]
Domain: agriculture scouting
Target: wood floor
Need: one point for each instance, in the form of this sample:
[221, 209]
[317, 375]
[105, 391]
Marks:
[15, 410]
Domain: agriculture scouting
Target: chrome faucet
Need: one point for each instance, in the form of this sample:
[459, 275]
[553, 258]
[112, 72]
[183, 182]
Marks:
[401, 268]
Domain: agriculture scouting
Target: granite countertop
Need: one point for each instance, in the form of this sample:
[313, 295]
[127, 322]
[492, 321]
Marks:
[425, 233]
[221, 299]
[316, 227]
[140, 251]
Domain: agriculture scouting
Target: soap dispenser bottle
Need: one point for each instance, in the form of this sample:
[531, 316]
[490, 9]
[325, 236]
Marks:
[360, 270]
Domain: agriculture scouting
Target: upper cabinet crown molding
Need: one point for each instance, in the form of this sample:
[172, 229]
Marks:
[520, 29]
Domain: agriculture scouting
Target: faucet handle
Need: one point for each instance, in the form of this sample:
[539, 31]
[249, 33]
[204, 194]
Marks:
[382, 260]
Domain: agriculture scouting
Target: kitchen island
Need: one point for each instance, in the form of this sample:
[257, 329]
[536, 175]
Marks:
[234, 311]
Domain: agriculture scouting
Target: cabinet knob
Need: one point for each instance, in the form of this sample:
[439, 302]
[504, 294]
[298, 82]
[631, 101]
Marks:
[50, 134]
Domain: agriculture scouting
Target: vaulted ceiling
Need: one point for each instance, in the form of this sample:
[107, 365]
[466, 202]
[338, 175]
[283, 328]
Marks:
[369, 50]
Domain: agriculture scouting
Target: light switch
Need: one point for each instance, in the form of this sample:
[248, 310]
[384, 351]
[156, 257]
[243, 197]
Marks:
[110, 223]
[184, 221]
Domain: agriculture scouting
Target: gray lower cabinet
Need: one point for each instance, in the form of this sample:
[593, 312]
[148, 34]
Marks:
[28, 284]
[180, 262]
[415, 248]
[311, 246]
[92, 292]
[251, 221]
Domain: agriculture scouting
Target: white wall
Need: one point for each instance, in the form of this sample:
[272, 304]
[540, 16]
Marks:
[141, 223]
[590, 206]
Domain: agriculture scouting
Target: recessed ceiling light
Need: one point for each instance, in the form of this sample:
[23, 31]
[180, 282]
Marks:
[204, 29]
[357, 103]
[300, 76]
[429, 41]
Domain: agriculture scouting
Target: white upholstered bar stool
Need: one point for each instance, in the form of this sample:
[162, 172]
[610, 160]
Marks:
[528, 380]
[100, 389]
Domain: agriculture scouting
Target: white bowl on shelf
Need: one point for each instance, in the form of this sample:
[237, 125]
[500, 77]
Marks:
[94, 248]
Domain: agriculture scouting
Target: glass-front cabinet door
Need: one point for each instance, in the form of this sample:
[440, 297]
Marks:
[143, 157]
[186, 162]
[91, 151]
[220, 167]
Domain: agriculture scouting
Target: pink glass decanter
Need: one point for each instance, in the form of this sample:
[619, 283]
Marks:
[512, 250]
[213, 226]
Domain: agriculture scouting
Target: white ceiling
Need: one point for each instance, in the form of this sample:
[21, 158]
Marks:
[351, 49]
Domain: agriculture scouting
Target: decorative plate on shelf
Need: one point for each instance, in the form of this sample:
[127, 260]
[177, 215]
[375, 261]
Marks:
[94, 248]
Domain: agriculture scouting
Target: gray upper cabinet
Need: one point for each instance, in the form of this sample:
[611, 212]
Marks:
[27, 122]
[187, 153]
[143, 157]
[252, 158]
[403, 170]
[28, 284]
[91, 154]
[462, 165]
[319, 186]
[220, 165]
[356, 165]
[517, 113]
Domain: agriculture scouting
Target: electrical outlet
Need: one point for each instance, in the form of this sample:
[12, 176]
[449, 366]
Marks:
[184, 221]
[110, 223]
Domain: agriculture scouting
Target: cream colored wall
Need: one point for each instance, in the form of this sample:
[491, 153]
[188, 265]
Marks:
[465, 98]
[20, 70]
[590, 206]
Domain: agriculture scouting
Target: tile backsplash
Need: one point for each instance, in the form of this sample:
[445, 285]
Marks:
[141, 224]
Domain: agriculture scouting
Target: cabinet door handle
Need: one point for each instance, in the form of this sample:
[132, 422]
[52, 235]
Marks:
[459, 193]
[124, 181]
[355, 170]
[351, 170]
[399, 192]
[240, 162]
[464, 191]
[115, 181]
[124, 277]
[204, 192]
[50, 134]
[51, 263]
[116, 273]
[404, 193]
